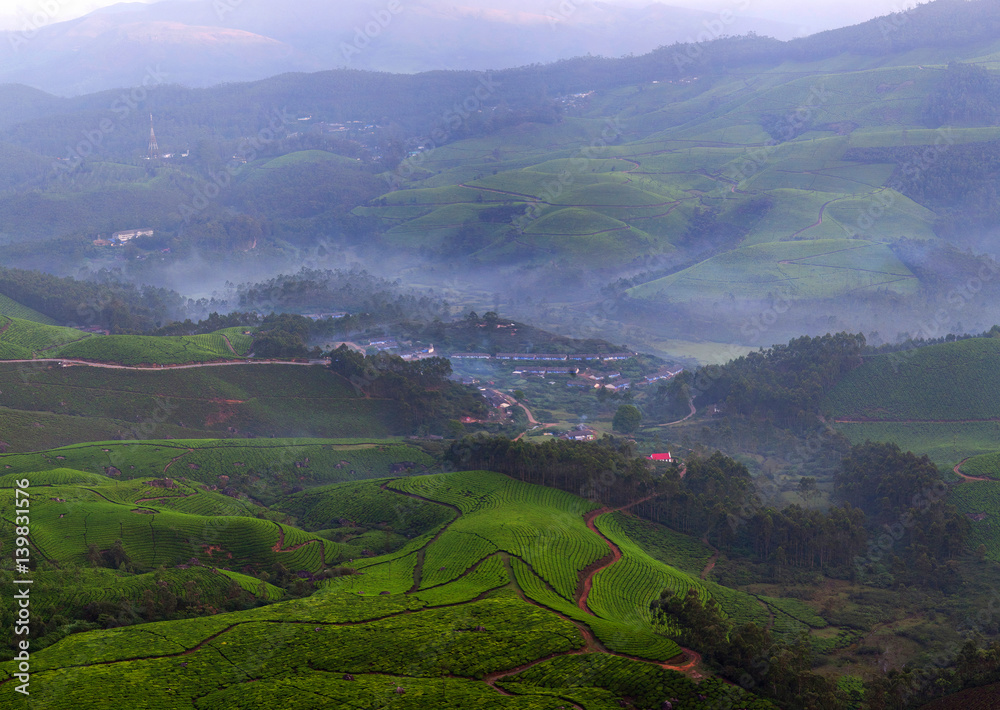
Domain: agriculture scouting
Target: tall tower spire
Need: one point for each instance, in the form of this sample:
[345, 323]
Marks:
[154, 149]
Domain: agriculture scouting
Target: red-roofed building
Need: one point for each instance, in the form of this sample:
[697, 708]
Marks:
[661, 457]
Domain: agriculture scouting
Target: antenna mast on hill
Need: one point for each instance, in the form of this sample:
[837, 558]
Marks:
[154, 149]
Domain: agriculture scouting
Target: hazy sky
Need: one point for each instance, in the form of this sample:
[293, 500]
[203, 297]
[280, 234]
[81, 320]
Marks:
[812, 15]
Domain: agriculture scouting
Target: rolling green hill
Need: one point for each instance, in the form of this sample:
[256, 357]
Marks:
[22, 339]
[814, 269]
[822, 172]
[13, 309]
[940, 400]
[948, 382]
[27, 339]
[640, 190]
[258, 400]
[229, 462]
[985, 466]
[156, 522]
[465, 613]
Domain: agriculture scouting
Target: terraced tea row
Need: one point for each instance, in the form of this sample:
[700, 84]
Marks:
[221, 462]
[445, 609]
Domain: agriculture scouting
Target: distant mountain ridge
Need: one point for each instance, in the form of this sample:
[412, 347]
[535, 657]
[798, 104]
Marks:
[204, 44]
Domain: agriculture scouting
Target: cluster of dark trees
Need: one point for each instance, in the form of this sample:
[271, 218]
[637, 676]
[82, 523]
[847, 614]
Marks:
[807, 538]
[426, 399]
[284, 335]
[215, 321]
[107, 303]
[710, 502]
[783, 384]
[367, 299]
[959, 182]
[879, 489]
[605, 470]
[489, 333]
[749, 655]
[969, 94]
[976, 664]
[892, 523]
[915, 534]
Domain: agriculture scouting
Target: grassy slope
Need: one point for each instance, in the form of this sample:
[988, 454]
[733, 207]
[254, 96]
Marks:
[464, 622]
[316, 461]
[263, 400]
[984, 466]
[156, 531]
[953, 382]
[149, 350]
[975, 498]
[13, 309]
[813, 269]
[27, 339]
[940, 400]
[685, 147]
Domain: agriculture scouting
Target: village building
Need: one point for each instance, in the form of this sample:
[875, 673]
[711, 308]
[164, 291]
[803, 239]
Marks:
[581, 433]
[667, 374]
[323, 316]
[418, 353]
[130, 234]
[533, 357]
[545, 371]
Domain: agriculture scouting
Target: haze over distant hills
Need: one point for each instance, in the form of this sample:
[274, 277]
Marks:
[202, 44]
[727, 181]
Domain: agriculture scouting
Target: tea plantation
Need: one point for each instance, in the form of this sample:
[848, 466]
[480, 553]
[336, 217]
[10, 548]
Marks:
[477, 601]
[238, 400]
[25, 335]
[939, 400]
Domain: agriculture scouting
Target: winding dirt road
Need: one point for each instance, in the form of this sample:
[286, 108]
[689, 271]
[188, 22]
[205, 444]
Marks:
[690, 414]
[693, 658]
[958, 472]
[157, 368]
[591, 644]
[532, 421]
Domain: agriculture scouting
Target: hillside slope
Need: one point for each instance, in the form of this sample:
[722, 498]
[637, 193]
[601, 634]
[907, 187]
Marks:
[448, 620]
